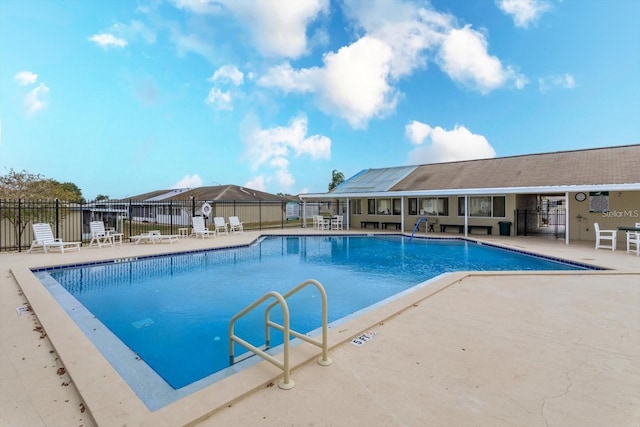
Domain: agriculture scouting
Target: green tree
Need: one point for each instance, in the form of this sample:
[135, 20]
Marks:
[101, 197]
[337, 178]
[28, 190]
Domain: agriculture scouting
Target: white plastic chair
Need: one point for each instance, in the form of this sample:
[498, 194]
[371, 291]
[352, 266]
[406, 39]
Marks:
[44, 239]
[199, 229]
[336, 222]
[633, 239]
[221, 227]
[99, 235]
[606, 236]
[235, 225]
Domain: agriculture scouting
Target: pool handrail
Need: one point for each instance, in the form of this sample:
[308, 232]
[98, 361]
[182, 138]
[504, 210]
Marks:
[324, 359]
[286, 383]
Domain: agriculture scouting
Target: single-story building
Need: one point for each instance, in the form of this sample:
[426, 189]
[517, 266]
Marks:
[177, 206]
[560, 193]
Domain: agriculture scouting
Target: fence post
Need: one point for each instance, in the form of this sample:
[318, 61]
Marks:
[57, 219]
[19, 242]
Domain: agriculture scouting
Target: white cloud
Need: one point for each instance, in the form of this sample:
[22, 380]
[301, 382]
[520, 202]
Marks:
[25, 78]
[108, 40]
[135, 29]
[278, 27]
[204, 7]
[524, 12]
[564, 81]
[257, 183]
[417, 132]
[464, 57]
[353, 84]
[442, 145]
[36, 99]
[272, 148]
[192, 181]
[285, 179]
[359, 81]
[285, 78]
[228, 73]
[265, 144]
[410, 31]
[191, 43]
[219, 100]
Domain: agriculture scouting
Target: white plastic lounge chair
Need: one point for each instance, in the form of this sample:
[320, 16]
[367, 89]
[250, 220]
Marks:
[44, 239]
[235, 225]
[154, 236]
[199, 229]
[221, 227]
[102, 236]
[605, 235]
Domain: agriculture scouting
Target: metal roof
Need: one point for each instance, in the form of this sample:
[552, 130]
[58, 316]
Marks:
[371, 180]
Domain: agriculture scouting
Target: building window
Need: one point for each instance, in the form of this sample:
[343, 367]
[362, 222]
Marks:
[484, 206]
[397, 207]
[413, 206]
[371, 206]
[499, 206]
[356, 207]
[434, 206]
[384, 207]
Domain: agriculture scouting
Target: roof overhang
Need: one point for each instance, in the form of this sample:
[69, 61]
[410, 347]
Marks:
[478, 191]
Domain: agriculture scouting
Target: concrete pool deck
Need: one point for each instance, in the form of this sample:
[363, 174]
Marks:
[470, 349]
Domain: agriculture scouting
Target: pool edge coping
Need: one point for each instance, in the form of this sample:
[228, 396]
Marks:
[74, 348]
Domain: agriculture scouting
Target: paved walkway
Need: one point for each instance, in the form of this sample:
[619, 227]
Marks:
[484, 349]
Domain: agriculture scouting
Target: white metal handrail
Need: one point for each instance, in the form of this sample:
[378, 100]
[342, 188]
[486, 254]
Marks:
[286, 383]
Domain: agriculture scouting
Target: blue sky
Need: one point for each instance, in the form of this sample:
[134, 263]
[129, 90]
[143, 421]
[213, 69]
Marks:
[125, 97]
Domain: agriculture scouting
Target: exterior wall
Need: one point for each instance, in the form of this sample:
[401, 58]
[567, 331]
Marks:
[624, 211]
[452, 218]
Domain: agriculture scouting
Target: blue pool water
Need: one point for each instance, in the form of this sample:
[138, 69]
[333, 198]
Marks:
[174, 311]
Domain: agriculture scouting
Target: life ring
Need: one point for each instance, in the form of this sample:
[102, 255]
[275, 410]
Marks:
[206, 209]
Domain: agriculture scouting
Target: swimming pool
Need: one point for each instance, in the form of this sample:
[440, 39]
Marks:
[173, 311]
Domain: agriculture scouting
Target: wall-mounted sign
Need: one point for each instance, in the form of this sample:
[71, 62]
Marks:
[293, 211]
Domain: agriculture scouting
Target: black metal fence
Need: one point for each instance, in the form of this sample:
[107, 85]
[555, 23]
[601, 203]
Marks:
[70, 221]
[539, 222]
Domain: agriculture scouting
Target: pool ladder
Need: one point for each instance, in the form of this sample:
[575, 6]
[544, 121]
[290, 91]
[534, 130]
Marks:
[286, 383]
